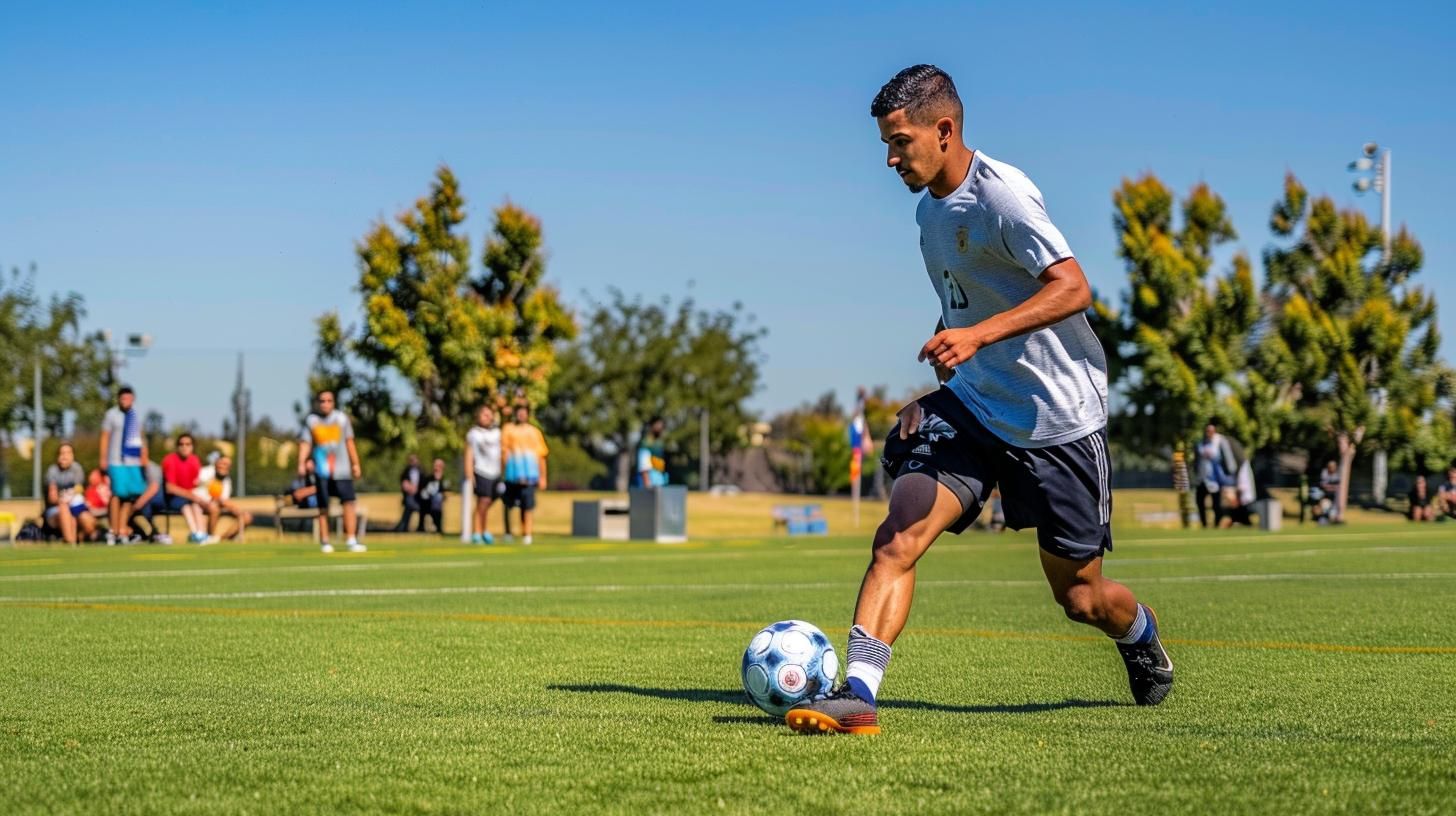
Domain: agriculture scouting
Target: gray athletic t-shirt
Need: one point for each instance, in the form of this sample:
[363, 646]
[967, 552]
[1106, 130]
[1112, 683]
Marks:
[68, 482]
[984, 246]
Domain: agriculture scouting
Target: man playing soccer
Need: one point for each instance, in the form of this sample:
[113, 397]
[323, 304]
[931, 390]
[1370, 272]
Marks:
[1023, 404]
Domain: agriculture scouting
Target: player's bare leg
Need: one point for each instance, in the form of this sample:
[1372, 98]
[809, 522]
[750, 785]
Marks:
[1091, 598]
[920, 510]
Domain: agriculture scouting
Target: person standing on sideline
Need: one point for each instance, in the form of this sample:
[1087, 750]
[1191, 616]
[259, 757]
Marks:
[125, 449]
[483, 465]
[432, 497]
[328, 436]
[652, 455]
[409, 489]
[524, 451]
[1217, 469]
[180, 469]
[1026, 408]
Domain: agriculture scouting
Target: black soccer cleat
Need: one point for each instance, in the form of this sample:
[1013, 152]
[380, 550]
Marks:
[1149, 669]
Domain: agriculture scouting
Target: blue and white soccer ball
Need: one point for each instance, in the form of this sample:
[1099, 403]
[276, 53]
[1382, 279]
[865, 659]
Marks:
[787, 663]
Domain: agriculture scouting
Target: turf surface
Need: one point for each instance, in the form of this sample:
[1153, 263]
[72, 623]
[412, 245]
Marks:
[1316, 674]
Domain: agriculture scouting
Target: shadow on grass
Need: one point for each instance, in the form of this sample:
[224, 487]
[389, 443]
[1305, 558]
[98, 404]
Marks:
[735, 696]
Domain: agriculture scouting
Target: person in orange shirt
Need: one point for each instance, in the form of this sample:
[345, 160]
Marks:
[524, 451]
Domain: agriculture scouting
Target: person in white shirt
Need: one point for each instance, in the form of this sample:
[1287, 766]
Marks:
[214, 492]
[483, 465]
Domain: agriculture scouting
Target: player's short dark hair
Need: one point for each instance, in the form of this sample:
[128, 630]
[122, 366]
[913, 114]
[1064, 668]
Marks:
[185, 435]
[124, 390]
[925, 92]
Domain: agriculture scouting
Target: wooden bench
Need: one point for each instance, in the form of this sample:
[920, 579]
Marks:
[800, 519]
[283, 508]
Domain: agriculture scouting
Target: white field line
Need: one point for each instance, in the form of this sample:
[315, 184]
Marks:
[374, 592]
[196, 573]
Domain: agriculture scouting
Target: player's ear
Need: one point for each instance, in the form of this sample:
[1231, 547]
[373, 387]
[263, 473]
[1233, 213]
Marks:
[944, 130]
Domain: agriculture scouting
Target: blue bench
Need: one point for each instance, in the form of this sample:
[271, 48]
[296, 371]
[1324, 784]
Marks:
[801, 519]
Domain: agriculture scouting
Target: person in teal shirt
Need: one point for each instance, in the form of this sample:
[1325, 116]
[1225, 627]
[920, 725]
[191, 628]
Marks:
[652, 456]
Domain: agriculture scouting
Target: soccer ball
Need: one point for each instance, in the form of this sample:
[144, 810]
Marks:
[787, 663]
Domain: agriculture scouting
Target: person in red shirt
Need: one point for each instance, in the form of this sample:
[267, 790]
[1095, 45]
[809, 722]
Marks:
[179, 475]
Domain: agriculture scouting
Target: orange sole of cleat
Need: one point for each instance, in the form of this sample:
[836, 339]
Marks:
[812, 722]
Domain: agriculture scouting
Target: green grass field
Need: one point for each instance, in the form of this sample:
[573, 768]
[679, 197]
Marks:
[1316, 674]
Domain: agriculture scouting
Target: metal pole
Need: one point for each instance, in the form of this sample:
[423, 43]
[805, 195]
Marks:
[1385, 203]
[36, 417]
[467, 502]
[240, 405]
[703, 450]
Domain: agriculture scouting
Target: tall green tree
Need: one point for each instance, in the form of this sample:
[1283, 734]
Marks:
[636, 360]
[1179, 341]
[74, 365]
[456, 338]
[1351, 336]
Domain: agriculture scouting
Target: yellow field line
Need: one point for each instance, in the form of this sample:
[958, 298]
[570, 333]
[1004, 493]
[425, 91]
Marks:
[482, 617]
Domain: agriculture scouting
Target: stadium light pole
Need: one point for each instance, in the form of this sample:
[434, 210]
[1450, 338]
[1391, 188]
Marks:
[1378, 168]
[703, 450]
[242, 402]
[36, 416]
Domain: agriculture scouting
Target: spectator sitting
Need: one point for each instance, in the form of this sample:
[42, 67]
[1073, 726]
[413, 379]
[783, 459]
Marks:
[409, 489]
[1420, 501]
[432, 497]
[215, 492]
[1325, 497]
[1238, 500]
[66, 508]
[152, 501]
[98, 492]
[1447, 494]
[180, 469]
[303, 491]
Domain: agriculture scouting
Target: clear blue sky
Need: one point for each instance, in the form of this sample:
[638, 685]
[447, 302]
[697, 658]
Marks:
[202, 174]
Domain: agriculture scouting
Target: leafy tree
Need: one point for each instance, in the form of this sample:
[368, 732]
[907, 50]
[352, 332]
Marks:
[454, 338]
[74, 366]
[1179, 342]
[636, 360]
[1351, 337]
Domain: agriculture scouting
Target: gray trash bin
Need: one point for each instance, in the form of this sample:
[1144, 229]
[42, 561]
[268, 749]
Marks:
[659, 514]
[1270, 513]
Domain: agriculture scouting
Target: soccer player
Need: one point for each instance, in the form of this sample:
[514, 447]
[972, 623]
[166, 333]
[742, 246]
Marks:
[483, 464]
[327, 436]
[1025, 406]
[524, 451]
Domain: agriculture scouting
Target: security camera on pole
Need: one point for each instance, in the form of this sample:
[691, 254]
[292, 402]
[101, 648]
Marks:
[1376, 163]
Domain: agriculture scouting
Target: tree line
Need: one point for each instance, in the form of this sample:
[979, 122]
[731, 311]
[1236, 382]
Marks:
[1335, 353]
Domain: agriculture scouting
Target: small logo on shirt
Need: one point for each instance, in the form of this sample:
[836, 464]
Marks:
[923, 450]
[963, 240]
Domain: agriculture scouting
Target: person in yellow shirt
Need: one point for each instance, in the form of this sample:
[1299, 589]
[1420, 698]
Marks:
[524, 452]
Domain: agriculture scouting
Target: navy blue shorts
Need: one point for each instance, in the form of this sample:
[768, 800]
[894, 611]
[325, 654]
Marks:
[485, 487]
[520, 495]
[341, 489]
[1064, 491]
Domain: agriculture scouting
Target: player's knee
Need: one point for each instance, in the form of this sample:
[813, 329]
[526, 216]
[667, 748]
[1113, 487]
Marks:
[1080, 602]
[894, 548]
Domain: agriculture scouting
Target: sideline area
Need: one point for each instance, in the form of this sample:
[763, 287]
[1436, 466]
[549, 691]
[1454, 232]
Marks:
[723, 516]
